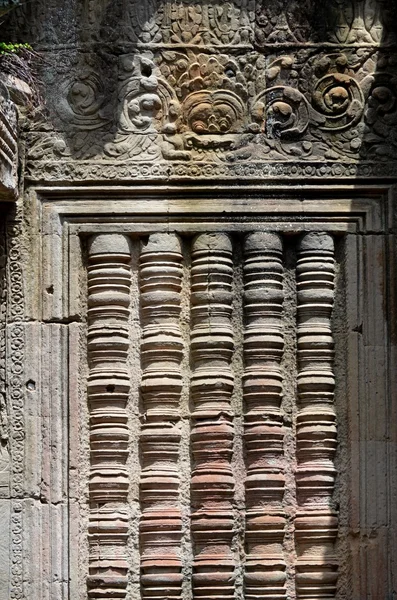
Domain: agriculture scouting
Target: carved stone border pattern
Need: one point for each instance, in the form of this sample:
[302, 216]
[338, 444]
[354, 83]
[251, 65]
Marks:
[72, 172]
[16, 404]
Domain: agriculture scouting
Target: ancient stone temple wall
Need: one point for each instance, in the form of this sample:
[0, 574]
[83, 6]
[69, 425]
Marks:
[197, 303]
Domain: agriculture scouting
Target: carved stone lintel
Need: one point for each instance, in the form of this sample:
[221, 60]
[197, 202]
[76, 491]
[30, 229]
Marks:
[109, 277]
[265, 573]
[316, 524]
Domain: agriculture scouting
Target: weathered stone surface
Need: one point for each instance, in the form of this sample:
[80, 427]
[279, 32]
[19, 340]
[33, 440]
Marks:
[234, 85]
[8, 146]
[197, 304]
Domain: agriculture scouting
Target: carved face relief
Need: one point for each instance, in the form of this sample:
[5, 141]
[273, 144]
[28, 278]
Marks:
[213, 112]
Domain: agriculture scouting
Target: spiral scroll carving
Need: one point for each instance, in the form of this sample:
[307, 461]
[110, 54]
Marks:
[212, 484]
[109, 278]
[282, 112]
[316, 524]
[161, 352]
[339, 99]
[265, 569]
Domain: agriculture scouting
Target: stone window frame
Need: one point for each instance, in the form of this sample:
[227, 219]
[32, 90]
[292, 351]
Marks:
[360, 213]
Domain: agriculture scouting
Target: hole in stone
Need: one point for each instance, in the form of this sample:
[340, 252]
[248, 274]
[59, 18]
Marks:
[110, 388]
[31, 385]
[146, 70]
[229, 72]
[50, 289]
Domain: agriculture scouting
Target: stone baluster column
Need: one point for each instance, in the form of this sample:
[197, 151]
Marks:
[212, 485]
[162, 352]
[109, 280]
[316, 524]
[265, 568]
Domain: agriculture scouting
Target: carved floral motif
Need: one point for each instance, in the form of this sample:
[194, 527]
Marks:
[194, 23]
[83, 95]
[360, 21]
[181, 104]
[282, 21]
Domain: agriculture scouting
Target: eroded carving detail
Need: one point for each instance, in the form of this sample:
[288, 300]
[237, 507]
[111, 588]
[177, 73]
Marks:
[8, 144]
[212, 484]
[316, 524]
[183, 22]
[265, 567]
[161, 387]
[359, 21]
[16, 396]
[108, 386]
[4, 421]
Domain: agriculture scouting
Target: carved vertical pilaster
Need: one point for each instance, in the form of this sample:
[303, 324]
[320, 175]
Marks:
[212, 485]
[316, 524]
[161, 387]
[109, 280]
[265, 568]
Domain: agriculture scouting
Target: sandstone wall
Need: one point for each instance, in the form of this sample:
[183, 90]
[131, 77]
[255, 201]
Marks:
[197, 304]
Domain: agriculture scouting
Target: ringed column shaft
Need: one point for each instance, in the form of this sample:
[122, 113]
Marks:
[212, 485]
[316, 524]
[162, 352]
[109, 281]
[265, 567]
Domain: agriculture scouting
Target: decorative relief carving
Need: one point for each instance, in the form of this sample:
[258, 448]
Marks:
[251, 171]
[108, 386]
[283, 22]
[265, 567]
[380, 139]
[212, 383]
[143, 110]
[233, 82]
[82, 99]
[5, 465]
[183, 22]
[209, 103]
[359, 22]
[161, 387]
[365, 22]
[8, 144]
[16, 401]
[316, 524]
[183, 105]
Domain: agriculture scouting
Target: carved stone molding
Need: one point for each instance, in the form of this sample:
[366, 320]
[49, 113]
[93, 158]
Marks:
[212, 484]
[316, 524]
[108, 389]
[265, 567]
[161, 387]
